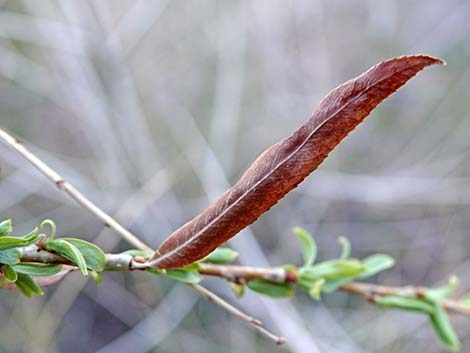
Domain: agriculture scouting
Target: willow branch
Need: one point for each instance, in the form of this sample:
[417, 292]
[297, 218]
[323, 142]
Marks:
[109, 221]
[243, 275]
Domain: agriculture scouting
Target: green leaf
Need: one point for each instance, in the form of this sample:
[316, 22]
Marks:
[331, 270]
[94, 257]
[237, 289]
[316, 289]
[376, 263]
[443, 329]
[192, 277]
[6, 228]
[332, 285]
[69, 251]
[9, 273]
[27, 285]
[97, 277]
[271, 289]
[309, 247]
[221, 256]
[37, 269]
[10, 256]
[372, 265]
[436, 295]
[7, 242]
[405, 303]
[345, 247]
[191, 267]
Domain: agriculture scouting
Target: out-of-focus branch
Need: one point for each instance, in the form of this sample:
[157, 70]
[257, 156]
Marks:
[109, 221]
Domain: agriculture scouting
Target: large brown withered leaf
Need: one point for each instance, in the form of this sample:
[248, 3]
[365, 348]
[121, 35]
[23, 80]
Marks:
[284, 165]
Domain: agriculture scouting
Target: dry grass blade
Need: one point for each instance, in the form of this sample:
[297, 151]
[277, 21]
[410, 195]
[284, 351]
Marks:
[287, 163]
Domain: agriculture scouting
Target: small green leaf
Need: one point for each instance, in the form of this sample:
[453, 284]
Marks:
[94, 257]
[97, 277]
[27, 285]
[9, 273]
[6, 228]
[405, 303]
[271, 289]
[191, 267]
[37, 269]
[221, 256]
[316, 288]
[443, 329]
[436, 295]
[192, 277]
[237, 289]
[7, 242]
[345, 247]
[309, 247]
[69, 251]
[10, 256]
[331, 270]
[375, 264]
[52, 226]
[372, 265]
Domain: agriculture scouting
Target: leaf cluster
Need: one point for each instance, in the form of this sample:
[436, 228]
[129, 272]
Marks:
[89, 258]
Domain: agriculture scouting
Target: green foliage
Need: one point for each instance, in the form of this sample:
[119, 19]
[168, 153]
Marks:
[94, 257]
[443, 329]
[27, 285]
[405, 303]
[89, 258]
[271, 289]
[37, 269]
[10, 256]
[6, 228]
[309, 247]
[7, 242]
[186, 274]
[221, 256]
[237, 289]
[69, 251]
[328, 276]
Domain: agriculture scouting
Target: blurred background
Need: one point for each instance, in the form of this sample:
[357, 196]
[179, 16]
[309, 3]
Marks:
[153, 108]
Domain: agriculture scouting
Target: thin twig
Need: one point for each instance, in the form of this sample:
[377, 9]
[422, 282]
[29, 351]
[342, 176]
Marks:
[109, 221]
[254, 323]
[65, 186]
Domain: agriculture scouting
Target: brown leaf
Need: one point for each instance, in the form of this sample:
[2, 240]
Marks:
[284, 165]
